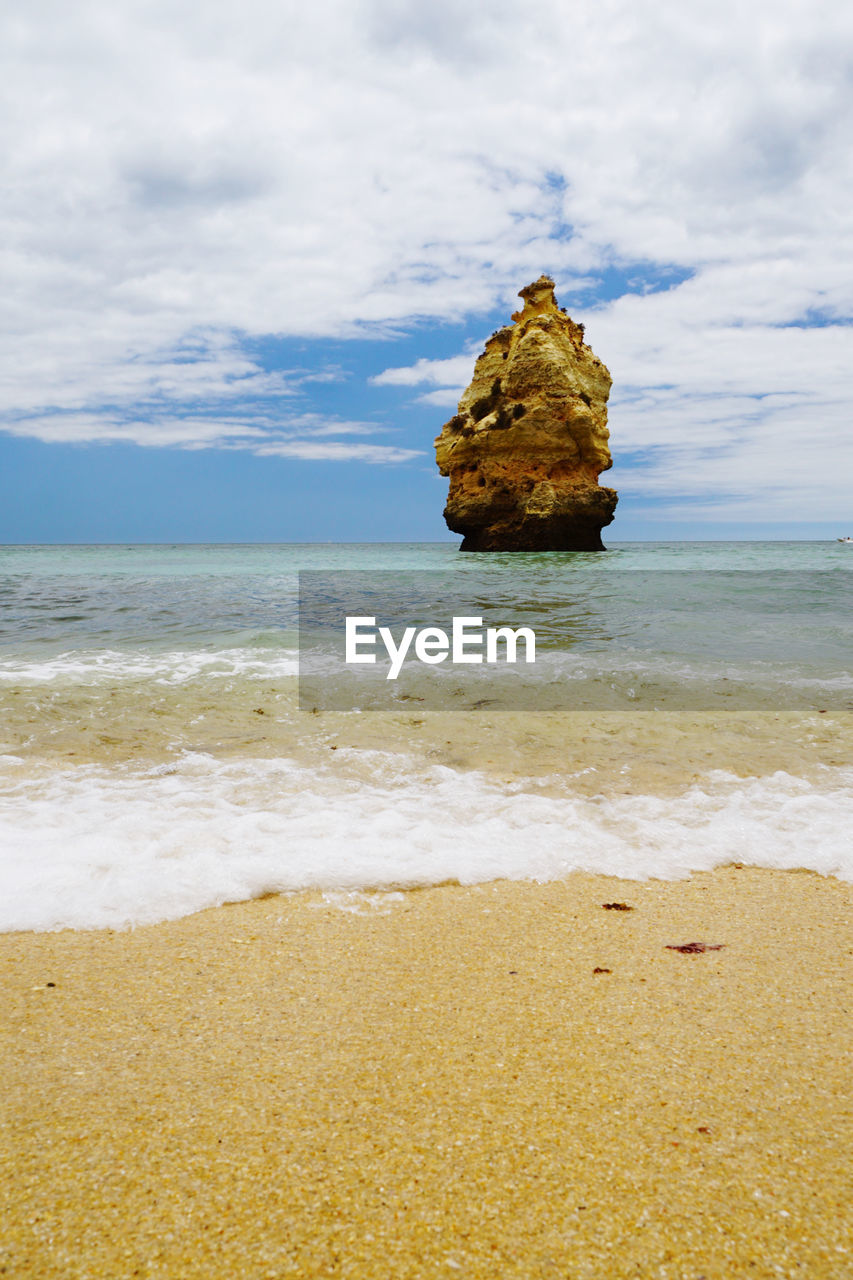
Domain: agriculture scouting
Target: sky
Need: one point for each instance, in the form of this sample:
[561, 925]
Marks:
[251, 251]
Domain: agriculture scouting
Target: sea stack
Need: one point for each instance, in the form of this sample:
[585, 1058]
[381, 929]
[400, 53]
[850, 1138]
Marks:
[529, 439]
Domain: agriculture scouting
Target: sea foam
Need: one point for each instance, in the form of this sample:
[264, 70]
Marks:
[100, 666]
[97, 847]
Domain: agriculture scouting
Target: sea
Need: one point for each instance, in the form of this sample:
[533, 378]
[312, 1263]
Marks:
[163, 749]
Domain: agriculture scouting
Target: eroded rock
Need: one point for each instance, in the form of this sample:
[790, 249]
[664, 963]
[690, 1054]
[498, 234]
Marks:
[529, 440]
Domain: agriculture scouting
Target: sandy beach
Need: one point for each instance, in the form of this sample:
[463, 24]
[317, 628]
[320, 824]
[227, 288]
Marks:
[507, 1080]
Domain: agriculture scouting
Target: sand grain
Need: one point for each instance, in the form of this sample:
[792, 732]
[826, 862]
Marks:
[437, 1083]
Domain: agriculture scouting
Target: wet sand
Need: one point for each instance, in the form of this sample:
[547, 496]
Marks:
[135, 725]
[438, 1083]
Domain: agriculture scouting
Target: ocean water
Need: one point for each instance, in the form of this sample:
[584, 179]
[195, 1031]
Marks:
[691, 705]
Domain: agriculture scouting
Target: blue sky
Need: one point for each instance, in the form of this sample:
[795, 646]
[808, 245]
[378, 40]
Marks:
[251, 253]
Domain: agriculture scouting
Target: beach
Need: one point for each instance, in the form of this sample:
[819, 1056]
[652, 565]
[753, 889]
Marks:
[400, 987]
[426, 642]
[498, 1080]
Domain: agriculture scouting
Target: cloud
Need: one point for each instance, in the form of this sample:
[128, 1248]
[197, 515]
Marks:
[449, 376]
[334, 451]
[104, 428]
[182, 181]
[445, 398]
[734, 416]
[453, 372]
[260, 433]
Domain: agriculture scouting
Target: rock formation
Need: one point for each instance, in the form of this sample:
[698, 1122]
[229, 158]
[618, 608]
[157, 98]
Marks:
[529, 440]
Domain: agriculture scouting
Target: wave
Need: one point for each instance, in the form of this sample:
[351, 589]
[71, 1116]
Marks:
[96, 847]
[94, 666]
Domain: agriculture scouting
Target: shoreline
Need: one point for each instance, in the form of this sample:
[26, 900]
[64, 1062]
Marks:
[438, 1082]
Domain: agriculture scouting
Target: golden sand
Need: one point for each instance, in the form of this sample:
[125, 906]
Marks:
[438, 1083]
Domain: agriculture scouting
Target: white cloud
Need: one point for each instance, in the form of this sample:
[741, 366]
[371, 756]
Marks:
[334, 451]
[260, 433]
[180, 177]
[455, 372]
[742, 420]
[445, 398]
[79, 428]
[450, 377]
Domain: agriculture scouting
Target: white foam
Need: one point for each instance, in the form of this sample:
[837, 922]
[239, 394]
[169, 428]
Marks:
[96, 666]
[95, 847]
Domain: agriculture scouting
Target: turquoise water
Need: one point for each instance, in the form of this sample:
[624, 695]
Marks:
[56, 599]
[649, 624]
[154, 759]
[271, 559]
